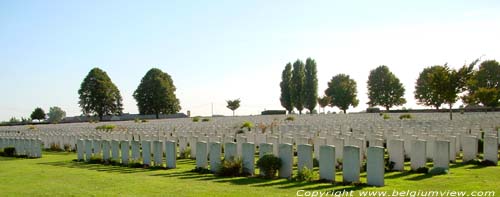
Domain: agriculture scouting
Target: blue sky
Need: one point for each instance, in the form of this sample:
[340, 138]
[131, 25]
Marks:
[220, 50]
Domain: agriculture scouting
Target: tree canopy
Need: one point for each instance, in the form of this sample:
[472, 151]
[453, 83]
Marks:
[286, 88]
[56, 114]
[233, 104]
[484, 85]
[98, 95]
[342, 91]
[38, 114]
[384, 88]
[425, 94]
[310, 85]
[298, 78]
[156, 94]
[323, 101]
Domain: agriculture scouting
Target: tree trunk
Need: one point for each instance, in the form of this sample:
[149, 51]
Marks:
[451, 112]
[387, 108]
[345, 111]
[233, 112]
[157, 115]
[100, 117]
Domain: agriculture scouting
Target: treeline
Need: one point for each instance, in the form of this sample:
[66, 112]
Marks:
[436, 86]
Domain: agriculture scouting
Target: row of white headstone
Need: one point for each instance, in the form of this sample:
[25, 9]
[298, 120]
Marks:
[125, 151]
[23, 147]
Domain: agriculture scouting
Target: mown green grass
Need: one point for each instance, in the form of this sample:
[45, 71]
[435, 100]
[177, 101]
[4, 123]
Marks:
[57, 175]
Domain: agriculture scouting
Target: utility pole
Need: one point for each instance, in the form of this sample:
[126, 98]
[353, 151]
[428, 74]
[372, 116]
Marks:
[212, 109]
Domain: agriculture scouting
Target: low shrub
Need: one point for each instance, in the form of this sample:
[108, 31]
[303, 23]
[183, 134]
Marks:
[373, 110]
[205, 120]
[389, 165]
[9, 152]
[55, 147]
[488, 163]
[106, 127]
[422, 170]
[315, 162]
[386, 116]
[185, 154]
[201, 170]
[96, 160]
[196, 119]
[144, 120]
[112, 162]
[405, 117]
[305, 174]
[135, 164]
[230, 168]
[67, 147]
[247, 124]
[438, 171]
[290, 118]
[338, 165]
[269, 164]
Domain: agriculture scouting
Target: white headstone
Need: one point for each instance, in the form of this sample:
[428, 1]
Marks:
[125, 150]
[396, 153]
[491, 149]
[229, 151]
[248, 159]
[215, 156]
[286, 156]
[327, 162]
[201, 154]
[418, 151]
[375, 166]
[146, 152]
[469, 148]
[304, 154]
[171, 153]
[158, 153]
[442, 154]
[351, 164]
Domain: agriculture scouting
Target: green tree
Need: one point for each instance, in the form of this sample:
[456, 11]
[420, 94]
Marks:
[342, 91]
[38, 114]
[98, 95]
[384, 88]
[286, 88]
[310, 85]
[425, 94]
[324, 101]
[298, 80]
[449, 83]
[56, 114]
[233, 104]
[156, 94]
[484, 85]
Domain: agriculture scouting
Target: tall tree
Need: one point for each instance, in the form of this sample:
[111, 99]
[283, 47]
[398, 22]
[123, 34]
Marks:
[56, 114]
[342, 91]
[233, 104]
[286, 88]
[156, 94]
[298, 78]
[484, 85]
[98, 95]
[310, 85]
[38, 114]
[324, 101]
[425, 94]
[449, 83]
[384, 88]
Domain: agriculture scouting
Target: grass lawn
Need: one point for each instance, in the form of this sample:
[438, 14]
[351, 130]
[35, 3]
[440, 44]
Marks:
[57, 175]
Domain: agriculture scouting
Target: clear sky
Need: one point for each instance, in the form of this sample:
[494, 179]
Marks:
[220, 50]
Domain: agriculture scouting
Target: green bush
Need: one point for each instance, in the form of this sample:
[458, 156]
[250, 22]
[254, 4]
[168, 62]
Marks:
[201, 170]
[386, 116]
[185, 154]
[135, 164]
[290, 118]
[269, 164]
[96, 160]
[438, 171]
[9, 152]
[305, 174]
[373, 110]
[405, 116]
[423, 170]
[315, 162]
[106, 127]
[205, 119]
[230, 168]
[67, 147]
[247, 124]
[338, 165]
[144, 120]
[196, 119]
[389, 165]
[55, 147]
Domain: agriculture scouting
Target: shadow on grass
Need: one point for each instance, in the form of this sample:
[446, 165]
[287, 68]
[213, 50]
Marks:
[99, 167]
